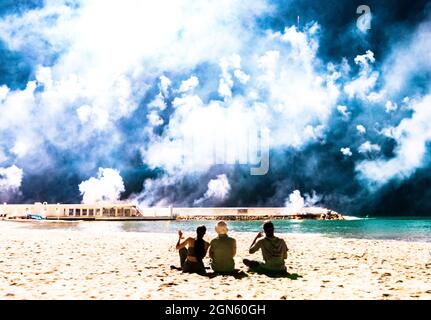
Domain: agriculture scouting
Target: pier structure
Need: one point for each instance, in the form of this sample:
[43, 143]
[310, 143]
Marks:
[105, 211]
[126, 211]
[256, 213]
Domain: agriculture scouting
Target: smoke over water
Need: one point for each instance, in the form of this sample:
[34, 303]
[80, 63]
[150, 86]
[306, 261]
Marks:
[107, 187]
[172, 100]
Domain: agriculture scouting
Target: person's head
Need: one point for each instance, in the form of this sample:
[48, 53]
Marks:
[200, 231]
[200, 243]
[221, 228]
[268, 228]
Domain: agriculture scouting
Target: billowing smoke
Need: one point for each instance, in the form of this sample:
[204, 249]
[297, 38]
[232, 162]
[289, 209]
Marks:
[346, 151]
[106, 188]
[218, 189]
[178, 96]
[296, 202]
[10, 182]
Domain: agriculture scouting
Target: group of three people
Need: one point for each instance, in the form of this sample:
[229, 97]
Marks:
[222, 251]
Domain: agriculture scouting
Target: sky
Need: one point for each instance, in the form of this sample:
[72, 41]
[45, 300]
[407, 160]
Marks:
[175, 102]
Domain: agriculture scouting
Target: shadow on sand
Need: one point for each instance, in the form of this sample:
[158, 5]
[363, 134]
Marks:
[238, 274]
[291, 276]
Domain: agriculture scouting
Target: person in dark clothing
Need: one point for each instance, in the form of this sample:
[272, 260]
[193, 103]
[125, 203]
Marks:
[192, 251]
[274, 252]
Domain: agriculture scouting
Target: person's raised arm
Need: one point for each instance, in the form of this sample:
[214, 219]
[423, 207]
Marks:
[179, 244]
[253, 247]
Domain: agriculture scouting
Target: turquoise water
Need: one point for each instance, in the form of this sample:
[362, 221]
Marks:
[408, 229]
[395, 228]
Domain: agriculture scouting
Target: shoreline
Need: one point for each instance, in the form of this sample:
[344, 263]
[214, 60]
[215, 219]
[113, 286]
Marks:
[112, 264]
[51, 225]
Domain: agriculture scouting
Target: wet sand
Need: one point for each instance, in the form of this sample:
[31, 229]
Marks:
[109, 264]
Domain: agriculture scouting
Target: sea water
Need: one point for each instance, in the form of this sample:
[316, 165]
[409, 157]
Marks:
[408, 229]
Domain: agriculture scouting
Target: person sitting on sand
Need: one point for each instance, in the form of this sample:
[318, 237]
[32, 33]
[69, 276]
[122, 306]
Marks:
[222, 250]
[274, 252]
[191, 257]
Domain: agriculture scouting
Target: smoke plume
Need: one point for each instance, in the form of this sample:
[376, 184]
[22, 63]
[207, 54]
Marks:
[106, 188]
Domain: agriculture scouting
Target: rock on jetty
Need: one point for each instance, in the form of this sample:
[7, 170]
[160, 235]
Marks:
[250, 214]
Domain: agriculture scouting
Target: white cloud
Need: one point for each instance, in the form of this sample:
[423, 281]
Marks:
[390, 106]
[3, 157]
[154, 119]
[361, 129]
[230, 68]
[4, 90]
[368, 147]
[365, 60]
[110, 53]
[314, 133]
[281, 80]
[346, 151]
[411, 134]
[165, 84]
[410, 57]
[151, 195]
[107, 56]
[21, 147]
[361, 86]
[218, 189]
[225, 88]
[241, 76]
[95, 117]
[158, 102]
[296, 203]
[376, 96]
[106, 188]
[10, 178]
[189, 84]
[343, 111]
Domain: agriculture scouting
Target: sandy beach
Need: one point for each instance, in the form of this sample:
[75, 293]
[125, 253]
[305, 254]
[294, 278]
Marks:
[109, 264]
